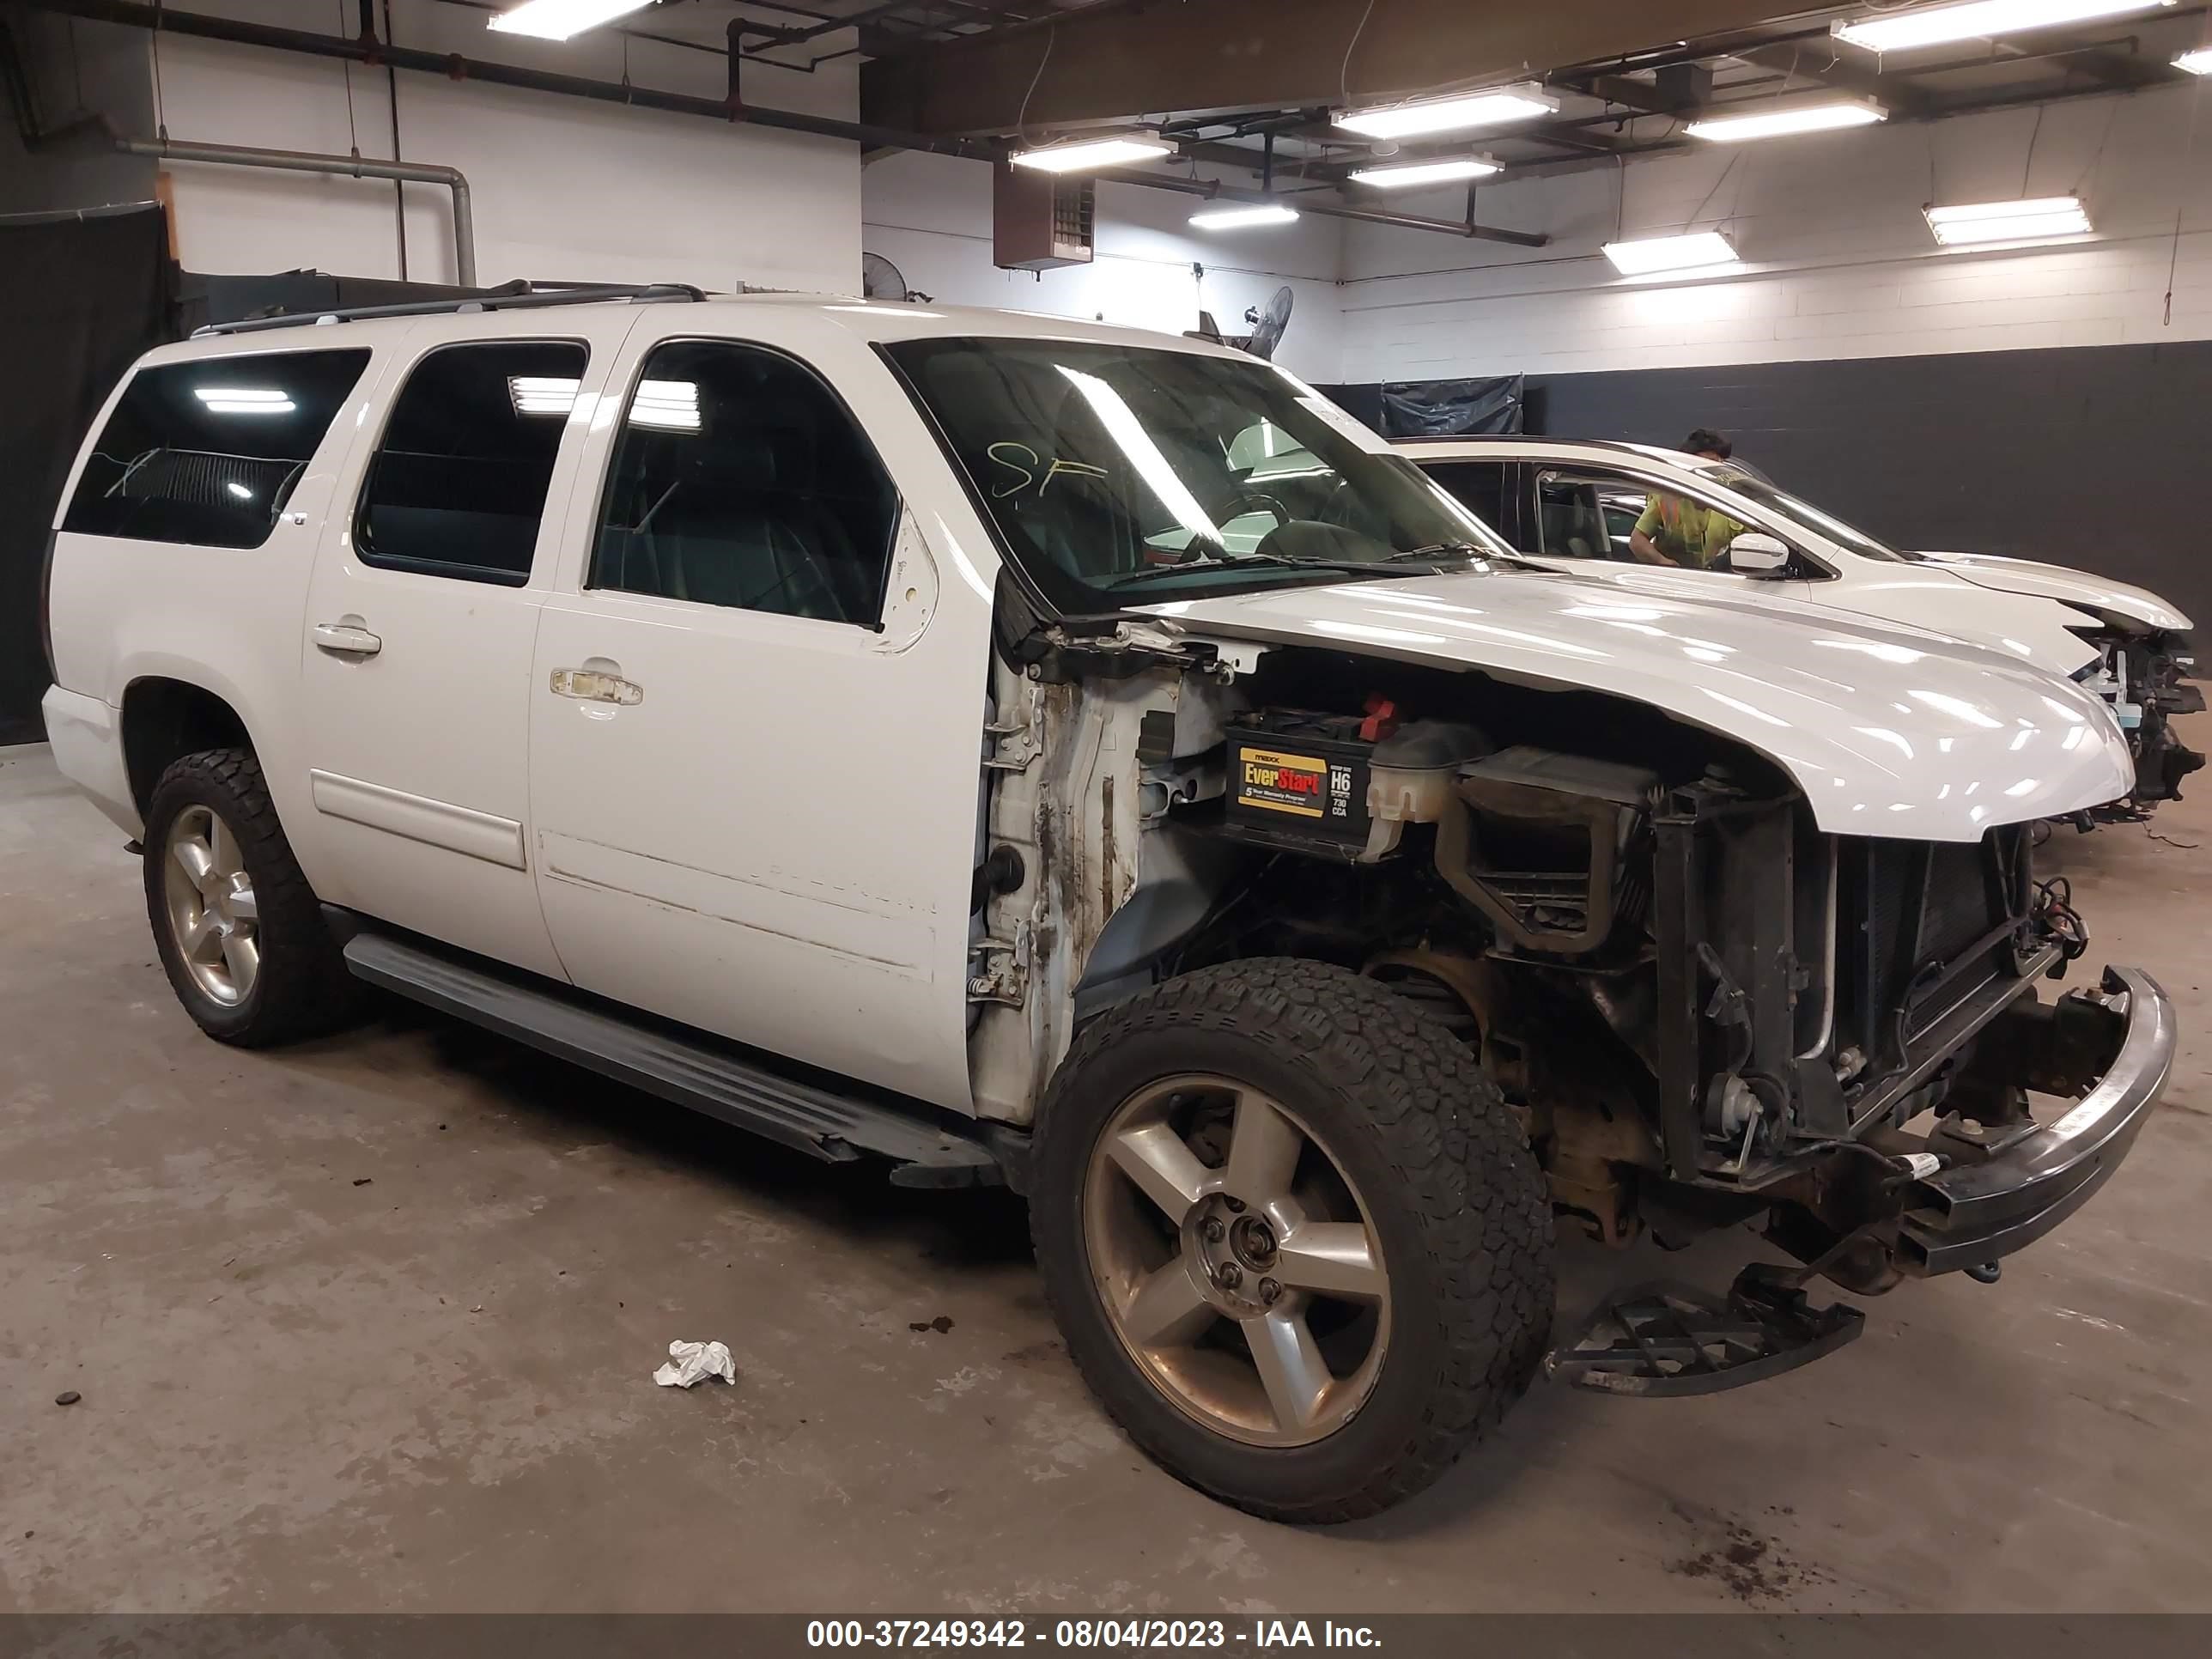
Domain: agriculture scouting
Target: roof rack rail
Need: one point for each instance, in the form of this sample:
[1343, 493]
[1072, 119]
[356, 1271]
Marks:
[650, 294]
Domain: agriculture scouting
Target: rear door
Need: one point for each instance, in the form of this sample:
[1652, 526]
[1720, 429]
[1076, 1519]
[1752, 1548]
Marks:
[755, 720]
[421, 623]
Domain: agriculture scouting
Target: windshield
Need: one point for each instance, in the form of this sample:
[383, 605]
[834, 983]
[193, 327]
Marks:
[1119, 474]
[1731, 475]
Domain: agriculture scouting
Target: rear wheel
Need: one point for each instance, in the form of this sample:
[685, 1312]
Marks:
[1295, 1239]
[240, 931]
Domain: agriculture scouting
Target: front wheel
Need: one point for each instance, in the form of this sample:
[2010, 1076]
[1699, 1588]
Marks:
[1297, 1243]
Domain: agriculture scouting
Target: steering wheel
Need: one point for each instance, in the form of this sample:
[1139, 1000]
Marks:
[1249, 500]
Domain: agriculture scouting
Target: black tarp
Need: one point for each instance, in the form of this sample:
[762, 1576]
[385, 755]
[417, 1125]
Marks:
[79, 298]
[1486, 407]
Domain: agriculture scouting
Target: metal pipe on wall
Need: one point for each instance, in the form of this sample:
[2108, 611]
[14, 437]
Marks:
[357, 166]
[452, 66]
[1365, 216]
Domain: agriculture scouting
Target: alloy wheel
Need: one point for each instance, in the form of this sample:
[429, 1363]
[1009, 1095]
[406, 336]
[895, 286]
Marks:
[213, 919]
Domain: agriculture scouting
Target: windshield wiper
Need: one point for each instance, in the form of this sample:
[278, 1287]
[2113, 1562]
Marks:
[1281, 561]
[1435, 551]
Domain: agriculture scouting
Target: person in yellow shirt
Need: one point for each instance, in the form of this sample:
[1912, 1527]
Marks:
[1684, 534]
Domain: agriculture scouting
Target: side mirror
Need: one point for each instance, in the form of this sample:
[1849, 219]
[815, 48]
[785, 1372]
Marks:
[1757, 554]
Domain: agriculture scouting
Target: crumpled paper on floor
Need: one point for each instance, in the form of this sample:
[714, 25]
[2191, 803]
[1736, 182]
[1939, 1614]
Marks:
[691, 1362]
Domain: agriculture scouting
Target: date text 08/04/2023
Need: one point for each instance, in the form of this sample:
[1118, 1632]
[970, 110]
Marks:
[1087, 1633]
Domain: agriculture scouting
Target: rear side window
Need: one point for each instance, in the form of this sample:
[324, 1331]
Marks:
[207, 453]
[458, 486]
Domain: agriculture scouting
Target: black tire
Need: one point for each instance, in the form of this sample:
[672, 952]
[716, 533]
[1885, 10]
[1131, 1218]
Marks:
[1449, 1181]
[301, 988]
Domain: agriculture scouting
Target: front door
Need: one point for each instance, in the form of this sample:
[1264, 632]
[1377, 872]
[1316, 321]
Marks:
[755, 732]
[421, 622]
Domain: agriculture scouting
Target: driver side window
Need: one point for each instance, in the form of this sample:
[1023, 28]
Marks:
[1688, 531]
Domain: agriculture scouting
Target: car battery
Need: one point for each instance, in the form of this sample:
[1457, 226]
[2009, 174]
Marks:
[1299, 778]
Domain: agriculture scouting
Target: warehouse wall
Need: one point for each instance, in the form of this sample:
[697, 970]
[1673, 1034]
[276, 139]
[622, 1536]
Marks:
[77, 168]
[1843, 262]
[931, 216]
[565, 190]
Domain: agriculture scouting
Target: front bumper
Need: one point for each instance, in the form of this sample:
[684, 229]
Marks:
[2006, 1187]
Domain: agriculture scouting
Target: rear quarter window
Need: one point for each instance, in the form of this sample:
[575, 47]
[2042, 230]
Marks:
[207, 453]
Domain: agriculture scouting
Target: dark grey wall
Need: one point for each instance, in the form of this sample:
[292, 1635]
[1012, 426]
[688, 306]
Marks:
[2092, 456]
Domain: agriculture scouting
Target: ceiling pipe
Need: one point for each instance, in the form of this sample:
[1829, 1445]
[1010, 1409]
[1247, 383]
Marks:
[356, 166]
[1215, 191]
[455, 67]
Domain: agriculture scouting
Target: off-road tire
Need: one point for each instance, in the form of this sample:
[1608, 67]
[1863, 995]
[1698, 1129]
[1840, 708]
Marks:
[1450, 1186]
[302, 988]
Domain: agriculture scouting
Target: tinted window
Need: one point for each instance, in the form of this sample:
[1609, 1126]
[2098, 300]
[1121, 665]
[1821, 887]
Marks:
[740, 480]
[458, 486]
[1570, 520]
[1480, 486]
[208, 452]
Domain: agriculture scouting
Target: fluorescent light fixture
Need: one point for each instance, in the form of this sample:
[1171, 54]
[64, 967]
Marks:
[2198, 62]
[1236, 218]
[238, 489]
[541, 394]
[556, 20]
[1780, 119]
[1702, 252]
[1091, 153]
[1978, 19]
[244, 400]
[2043, 219]
[1473, 109]
[1415, 174]
[672, 405]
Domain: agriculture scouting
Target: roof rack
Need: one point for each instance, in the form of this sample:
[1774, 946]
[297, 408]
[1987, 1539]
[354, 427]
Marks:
[651, 294]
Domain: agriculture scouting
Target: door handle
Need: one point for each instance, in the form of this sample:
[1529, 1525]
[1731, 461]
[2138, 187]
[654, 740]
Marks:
[344, 639]
[591, 685]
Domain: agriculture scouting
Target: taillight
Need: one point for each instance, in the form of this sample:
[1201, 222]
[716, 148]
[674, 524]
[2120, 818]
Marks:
[47, 606]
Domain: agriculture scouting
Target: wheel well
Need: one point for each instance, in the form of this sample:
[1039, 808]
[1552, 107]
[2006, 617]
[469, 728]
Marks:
[164, 720]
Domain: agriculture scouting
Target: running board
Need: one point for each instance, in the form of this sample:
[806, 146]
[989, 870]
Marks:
[834, 1127]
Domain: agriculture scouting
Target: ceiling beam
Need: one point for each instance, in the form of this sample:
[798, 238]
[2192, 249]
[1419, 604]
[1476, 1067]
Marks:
[1124, 58]
[1824, 63]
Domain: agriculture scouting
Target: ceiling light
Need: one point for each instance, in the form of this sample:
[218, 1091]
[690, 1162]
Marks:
[1978, 19]
[1234, 218]
[672, 405]
[1779, 119]
[1092, 154]
[556, 20]
[1703, 252]
[1425, 172]
[2044, 220]
[2198, 62]
[541, 394]
[244, 400]
[1473, 109]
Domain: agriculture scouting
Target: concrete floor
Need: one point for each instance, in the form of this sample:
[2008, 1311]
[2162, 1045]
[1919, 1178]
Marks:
[369, 1325]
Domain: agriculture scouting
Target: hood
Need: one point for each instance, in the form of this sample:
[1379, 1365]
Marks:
[1949, 601]
[2098, 594]
[1888, 732]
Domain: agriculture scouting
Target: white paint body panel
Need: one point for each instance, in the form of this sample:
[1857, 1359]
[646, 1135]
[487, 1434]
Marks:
[2023, 609]
[776, 843]
[2137, 605]
[1899, 734]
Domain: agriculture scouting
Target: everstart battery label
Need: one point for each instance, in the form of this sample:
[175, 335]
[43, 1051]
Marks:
[1302, 785]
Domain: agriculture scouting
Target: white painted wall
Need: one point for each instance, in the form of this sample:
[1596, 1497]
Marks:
[931, 216]
[565, 190]
[1843, 266]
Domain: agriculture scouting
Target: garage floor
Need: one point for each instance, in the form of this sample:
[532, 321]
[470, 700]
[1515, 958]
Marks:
[369, 1325]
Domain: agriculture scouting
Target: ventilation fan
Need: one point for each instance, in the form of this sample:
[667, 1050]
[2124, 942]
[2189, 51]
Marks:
[1267, 326]
[880, 280]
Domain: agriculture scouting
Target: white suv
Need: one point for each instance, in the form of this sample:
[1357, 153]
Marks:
[959, 739]
[1576, 504]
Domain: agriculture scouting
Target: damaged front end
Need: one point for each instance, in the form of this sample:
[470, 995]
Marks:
[2144, 679]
